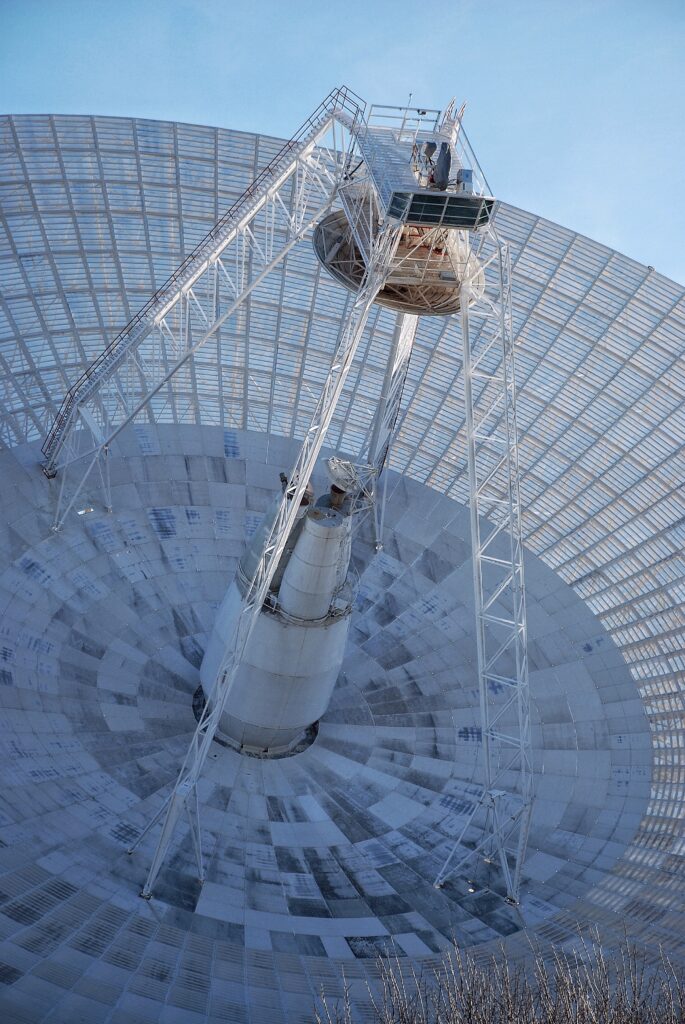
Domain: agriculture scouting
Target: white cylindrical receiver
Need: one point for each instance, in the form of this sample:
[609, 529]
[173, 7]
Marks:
[312, 574]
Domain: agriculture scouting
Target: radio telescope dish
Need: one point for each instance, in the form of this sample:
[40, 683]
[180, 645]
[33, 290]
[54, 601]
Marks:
[328, 856]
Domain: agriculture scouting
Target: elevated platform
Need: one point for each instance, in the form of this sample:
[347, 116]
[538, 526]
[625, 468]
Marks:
[405, 177]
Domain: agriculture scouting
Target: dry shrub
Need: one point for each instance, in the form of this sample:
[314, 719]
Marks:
[585, 987]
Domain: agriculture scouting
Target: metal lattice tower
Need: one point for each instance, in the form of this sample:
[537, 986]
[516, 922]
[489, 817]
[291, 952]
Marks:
[212, 283]
[365, 163]
[497, 560]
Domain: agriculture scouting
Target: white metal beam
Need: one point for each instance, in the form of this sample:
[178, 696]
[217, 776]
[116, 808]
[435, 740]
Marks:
[502, 814]
[254, 227]
[213, 283]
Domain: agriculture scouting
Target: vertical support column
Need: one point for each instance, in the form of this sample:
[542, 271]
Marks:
[504, 808]
[386, 419]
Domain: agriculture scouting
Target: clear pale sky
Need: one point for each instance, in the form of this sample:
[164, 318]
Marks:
[575, 107]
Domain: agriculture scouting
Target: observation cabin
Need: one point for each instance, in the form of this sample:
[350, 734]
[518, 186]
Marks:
[415, 167]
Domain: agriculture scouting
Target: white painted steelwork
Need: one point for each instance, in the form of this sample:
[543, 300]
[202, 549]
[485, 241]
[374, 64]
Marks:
[387, 414]
[389, 187]
[497, 560]
[350, 336]
[385, 421]
[210, 286]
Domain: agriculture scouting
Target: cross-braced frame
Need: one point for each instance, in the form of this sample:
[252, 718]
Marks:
[497, 827]
[136, 376]
[139, 372]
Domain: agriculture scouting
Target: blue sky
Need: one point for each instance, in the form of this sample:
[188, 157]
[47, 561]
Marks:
[575, 107]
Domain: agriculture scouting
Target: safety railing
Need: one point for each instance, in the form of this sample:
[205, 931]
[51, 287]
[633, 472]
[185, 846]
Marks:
[342, 99]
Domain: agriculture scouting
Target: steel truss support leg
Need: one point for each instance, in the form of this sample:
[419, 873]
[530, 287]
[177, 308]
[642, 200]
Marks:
[251, 227]
[387, 415]
[184, 794]
[105, 476]
[503, 811]
[99, 458]
[82, 420]
[143, 364]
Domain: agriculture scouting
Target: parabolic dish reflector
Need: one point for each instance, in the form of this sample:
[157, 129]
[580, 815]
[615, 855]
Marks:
[327, 856]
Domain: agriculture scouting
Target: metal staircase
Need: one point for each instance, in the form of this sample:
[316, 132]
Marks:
[203, 260]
